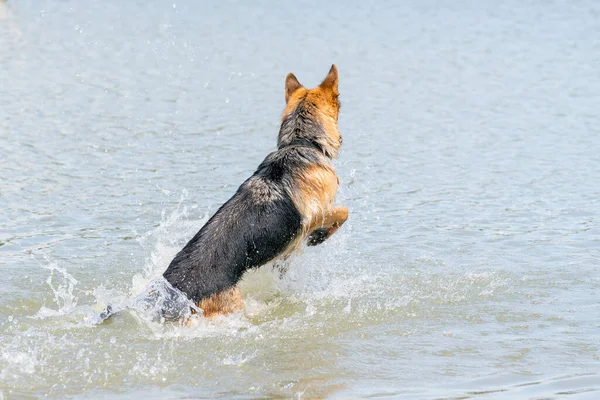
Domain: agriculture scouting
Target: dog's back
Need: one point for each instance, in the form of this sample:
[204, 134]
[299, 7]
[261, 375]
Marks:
[255, 226]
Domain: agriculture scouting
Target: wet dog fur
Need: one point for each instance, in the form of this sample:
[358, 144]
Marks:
[287, 202]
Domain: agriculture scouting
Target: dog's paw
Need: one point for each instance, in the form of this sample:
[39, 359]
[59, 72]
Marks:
[317, 236]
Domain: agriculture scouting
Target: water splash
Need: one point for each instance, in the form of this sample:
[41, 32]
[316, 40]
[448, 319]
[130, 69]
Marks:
[323, 283]
[161, 302]
[62, 284]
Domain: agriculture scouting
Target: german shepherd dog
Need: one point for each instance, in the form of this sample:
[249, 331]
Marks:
[289, 200]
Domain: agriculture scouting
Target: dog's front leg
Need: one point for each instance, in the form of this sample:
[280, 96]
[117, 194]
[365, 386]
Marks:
[324, 227]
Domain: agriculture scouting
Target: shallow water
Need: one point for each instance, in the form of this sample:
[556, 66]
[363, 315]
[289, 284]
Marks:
[471, 165]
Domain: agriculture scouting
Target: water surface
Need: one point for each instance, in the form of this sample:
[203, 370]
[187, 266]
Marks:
[471, 165]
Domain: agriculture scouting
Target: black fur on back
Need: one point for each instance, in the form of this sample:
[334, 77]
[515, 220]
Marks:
[253, 227]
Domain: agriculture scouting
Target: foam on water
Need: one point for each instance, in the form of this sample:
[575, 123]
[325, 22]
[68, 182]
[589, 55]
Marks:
[327, 292]
[320, 284]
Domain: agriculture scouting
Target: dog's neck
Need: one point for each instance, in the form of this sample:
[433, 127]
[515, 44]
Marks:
[302, 128]
[305, 143]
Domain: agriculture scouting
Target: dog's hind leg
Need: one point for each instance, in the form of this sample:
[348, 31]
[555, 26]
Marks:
[323, 228]
[224, 302]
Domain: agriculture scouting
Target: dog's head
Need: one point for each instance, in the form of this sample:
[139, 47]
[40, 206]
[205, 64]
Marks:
[321, 104]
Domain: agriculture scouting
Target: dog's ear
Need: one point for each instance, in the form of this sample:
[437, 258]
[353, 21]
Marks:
[291, 85]
[331, 81]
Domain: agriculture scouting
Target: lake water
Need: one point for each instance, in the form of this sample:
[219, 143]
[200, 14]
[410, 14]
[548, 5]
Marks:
[469, 266]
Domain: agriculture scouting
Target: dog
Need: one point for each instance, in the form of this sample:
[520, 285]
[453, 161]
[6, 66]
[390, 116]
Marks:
[287, 202]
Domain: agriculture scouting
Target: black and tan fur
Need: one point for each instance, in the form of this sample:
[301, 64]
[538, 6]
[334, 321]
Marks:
[286, 202]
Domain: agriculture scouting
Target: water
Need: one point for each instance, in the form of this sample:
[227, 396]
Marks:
[471, 165]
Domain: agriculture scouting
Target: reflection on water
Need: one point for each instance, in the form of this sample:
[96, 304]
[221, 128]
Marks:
[467, 268]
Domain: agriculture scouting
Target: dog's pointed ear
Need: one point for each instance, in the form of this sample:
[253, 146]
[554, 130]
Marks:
[291, 85]
[331, 80]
